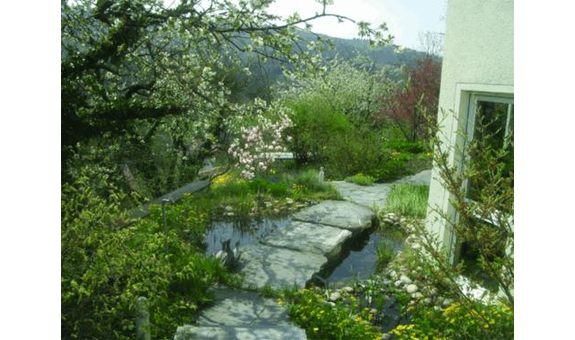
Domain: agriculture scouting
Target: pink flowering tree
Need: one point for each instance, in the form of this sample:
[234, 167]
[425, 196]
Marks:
[257, 135]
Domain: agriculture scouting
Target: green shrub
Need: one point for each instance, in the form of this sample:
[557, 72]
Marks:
[361, 179]
[482, 321]
[328, 138]
[401, 145]
[310, 179]
[384, 255]
[311, 311]
[408, 200]
[105, 268]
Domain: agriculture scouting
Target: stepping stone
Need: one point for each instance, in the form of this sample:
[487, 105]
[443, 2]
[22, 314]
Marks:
[339, 214]
[263, 265]
[309, 238]
[188, 332]
[369, 196]
[232, 307]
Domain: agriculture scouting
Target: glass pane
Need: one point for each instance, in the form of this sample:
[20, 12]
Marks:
[493, 117]
[493, 130]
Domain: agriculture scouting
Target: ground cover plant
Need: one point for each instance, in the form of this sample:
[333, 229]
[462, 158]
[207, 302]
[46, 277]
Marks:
[361, 179]
[408, 200]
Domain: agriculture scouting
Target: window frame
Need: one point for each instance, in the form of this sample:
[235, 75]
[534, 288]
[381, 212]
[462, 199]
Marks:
[471, 114]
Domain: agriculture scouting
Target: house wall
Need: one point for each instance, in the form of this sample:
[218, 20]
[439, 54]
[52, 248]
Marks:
[478, 57]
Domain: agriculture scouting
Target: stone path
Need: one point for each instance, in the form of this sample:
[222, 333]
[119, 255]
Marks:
[289, 257]
[238, 314]
[374, 196]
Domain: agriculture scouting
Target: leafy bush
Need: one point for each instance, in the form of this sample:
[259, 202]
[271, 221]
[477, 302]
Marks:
[310, 179]
[410, 103]
[105, 268]
[328, 138]
[384, 254]
[400, 145]
[455, 322]
[361, 179]
[408, 200]
[350, 87]
[321, 320]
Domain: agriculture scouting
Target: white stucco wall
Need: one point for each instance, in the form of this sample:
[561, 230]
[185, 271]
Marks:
[478, 58]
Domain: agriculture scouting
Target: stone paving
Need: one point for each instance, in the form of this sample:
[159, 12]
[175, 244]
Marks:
[288, 258]
[375, 196]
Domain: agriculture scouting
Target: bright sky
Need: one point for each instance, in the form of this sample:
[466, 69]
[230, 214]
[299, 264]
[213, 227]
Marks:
[404, 18]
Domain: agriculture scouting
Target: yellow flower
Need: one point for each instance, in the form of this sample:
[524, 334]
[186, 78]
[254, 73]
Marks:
[280, 302]
[315, 329]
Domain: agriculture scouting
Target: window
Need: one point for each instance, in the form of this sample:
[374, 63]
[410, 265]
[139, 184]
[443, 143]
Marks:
[490, 122]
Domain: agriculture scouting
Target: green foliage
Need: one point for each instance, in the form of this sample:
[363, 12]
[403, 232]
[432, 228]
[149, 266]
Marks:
[106, 267]
[455, 322]
[485, 223]
[310, 179]
[327, 137]
[385, 253]
[361, 179]
[408, 200]
[352, 88]
[404, 146]
[194, 212]
[310, 310]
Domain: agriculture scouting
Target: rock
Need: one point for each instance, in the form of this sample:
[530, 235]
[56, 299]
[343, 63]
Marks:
[405, 279]
[310, 238]
[246, 332]
[411, 288]
[398, 283]
[432, 292]
[386, 336]
[348, 289]
[339, 214]
[417, 295]
[427, 301]
[388, 221]
[331, 304]
[289, 201]
[229, 208]
[234, 307]
[262, 265]
[391, 216]
[229, 214]
[373, 311]
[276, 210]
[446, 303]
[335, 296]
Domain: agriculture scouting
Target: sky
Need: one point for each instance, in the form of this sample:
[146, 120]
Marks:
[404, 18]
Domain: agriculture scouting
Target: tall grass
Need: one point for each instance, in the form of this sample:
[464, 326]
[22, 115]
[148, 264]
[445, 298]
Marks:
[408, 200]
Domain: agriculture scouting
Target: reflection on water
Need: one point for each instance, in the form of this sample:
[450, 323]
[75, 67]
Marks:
[360, 259]
[357, 260]
[245, 232]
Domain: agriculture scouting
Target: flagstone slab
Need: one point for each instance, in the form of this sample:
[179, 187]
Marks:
[339, 214]
[189, 332]
[310, 238]
[369, 196]
[375, 195]
[263, 265]
[233, 307]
